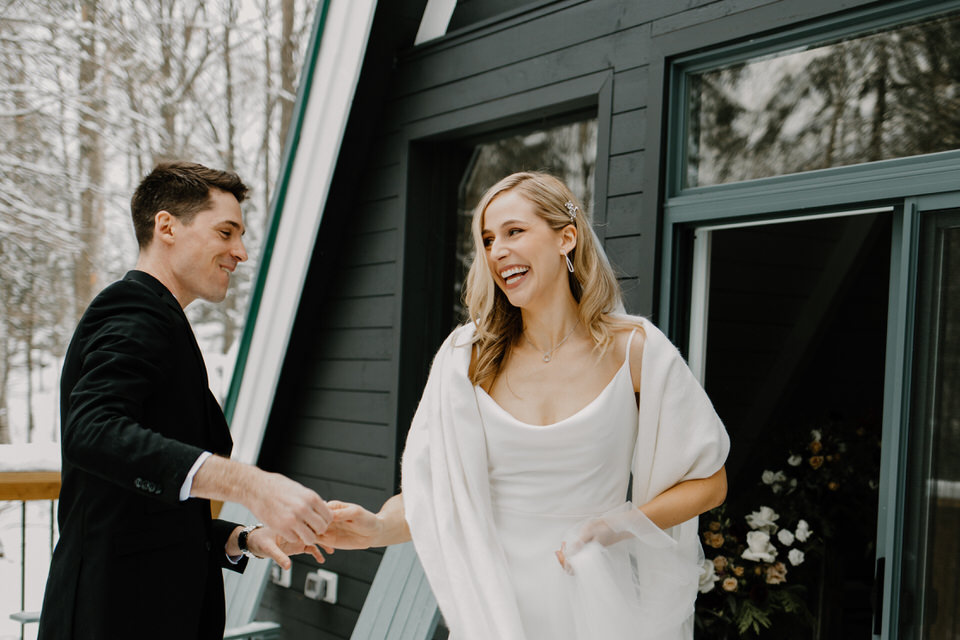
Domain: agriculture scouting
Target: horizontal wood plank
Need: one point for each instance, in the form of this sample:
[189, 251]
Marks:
[368, 312]
[628, 132]
[374, 247]
[357, 437]
[376, 215]
[372, 407]
[359, 469]
[352, 375]
[625, 216]
[626, 174]
[29, 485]
[364, 281]
[631, 88]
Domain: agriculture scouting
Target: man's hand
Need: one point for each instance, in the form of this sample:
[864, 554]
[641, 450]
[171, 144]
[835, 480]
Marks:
[293, 511]
[267, 543]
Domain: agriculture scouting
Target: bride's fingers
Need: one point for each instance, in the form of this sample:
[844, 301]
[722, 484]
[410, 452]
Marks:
[563, 561]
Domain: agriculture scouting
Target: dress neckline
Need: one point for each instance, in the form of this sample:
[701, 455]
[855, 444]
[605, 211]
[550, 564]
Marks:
[623, 367]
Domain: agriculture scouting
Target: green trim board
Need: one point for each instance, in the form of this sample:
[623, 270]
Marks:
[276, 208]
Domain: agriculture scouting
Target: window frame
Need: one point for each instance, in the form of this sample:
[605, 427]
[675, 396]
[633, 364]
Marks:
[845, 26]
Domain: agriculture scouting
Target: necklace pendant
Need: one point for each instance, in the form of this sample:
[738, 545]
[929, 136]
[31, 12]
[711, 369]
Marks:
[546, 357]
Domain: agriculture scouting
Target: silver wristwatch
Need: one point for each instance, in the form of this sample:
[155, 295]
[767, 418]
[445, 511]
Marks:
[242, 539]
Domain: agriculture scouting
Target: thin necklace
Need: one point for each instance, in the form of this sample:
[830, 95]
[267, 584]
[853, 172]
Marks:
[548, 355]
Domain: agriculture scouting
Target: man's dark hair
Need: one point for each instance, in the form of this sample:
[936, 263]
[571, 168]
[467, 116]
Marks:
[181, 188]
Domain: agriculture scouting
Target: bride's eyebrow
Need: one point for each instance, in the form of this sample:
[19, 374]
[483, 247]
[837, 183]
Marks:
[505, 223]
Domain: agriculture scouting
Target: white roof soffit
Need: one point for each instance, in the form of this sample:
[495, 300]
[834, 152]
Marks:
[336, 73]
[436, 19]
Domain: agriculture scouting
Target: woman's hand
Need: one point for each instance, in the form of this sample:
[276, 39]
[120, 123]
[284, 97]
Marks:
[353, 527]
[596, 530]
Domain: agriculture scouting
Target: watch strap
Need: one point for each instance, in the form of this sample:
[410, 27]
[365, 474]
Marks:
[242, 539]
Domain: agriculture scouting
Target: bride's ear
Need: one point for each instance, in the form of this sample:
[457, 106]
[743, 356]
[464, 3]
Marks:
[568, 239]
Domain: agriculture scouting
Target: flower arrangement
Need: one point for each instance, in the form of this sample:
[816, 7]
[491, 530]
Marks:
[746, 578]
[762, 568]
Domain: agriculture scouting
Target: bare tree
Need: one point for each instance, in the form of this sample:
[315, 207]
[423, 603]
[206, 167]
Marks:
[91, 154]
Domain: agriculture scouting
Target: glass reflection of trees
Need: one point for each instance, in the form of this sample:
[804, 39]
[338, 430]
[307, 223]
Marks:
[890, 94]
[567, 151]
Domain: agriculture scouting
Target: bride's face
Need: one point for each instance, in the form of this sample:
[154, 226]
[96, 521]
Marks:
[524, 254]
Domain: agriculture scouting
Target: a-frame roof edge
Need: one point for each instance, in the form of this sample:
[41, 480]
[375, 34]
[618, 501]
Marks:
[328, 84]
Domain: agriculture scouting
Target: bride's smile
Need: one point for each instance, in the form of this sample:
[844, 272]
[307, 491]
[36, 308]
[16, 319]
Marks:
[524, 254]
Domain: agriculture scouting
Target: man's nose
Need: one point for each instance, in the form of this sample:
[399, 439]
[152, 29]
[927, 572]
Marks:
[240, 252]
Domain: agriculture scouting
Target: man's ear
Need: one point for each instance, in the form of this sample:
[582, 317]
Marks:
[164, 227]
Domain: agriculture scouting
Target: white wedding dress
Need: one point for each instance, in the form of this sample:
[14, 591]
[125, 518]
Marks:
[489, 500]
[544, 480]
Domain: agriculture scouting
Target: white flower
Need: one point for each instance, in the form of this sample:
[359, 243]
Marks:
[765, 519]
[769, 477]
[708, 576]
[816, 435]
[795, 557]
[785, 537]
[803, 531]
[759, 548]
[795, 460]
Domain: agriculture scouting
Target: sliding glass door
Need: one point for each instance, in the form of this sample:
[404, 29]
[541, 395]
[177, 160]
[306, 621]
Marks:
[930, 591]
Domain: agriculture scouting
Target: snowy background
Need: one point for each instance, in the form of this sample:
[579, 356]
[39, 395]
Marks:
[92, 94]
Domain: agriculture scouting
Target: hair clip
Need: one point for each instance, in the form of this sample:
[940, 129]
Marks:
[572, 209]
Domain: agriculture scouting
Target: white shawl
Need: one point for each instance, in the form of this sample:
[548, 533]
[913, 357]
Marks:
[446, 488]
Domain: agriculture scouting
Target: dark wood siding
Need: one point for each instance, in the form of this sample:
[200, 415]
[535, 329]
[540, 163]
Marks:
[370, 319]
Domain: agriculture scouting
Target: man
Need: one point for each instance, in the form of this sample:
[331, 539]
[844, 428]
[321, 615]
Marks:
[139, 555]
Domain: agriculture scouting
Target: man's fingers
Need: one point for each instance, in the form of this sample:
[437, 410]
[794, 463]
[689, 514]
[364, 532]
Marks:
[315, 552]
[270, 549]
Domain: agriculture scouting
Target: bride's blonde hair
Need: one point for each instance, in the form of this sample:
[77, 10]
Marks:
[592, 283]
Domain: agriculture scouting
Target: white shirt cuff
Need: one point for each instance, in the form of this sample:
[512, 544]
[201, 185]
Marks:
[188, 481]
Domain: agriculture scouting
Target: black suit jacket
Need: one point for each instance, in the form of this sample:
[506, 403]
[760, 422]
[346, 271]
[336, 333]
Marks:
[136, 411]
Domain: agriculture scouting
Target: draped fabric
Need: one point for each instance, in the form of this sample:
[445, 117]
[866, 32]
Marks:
[448, 505]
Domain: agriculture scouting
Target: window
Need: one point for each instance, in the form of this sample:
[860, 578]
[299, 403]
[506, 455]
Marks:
[892, 93]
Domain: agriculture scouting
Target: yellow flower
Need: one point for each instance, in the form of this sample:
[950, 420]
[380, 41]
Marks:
[738, 571]
[720, 563]
[729, 584]
[816, 462]
[833, 486]
[712, 539]
[714, 526]
[776, 573]
[816, 446]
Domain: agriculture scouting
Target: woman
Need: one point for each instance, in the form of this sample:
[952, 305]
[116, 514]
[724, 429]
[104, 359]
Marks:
[518, 461]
